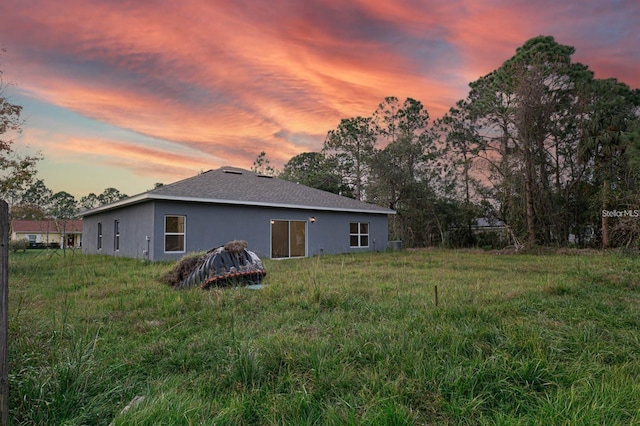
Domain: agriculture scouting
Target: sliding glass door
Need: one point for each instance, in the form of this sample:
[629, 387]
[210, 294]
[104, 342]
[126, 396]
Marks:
[288, 238]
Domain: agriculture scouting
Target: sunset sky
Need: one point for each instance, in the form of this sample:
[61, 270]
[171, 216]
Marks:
[124, 94]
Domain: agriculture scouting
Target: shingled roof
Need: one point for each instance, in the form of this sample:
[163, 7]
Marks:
[230, 185]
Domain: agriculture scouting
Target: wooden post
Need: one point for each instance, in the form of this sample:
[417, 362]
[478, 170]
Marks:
[4, 313]
[435, 293]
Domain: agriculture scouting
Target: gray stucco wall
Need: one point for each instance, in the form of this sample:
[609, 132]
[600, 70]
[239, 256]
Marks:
[136, 223]
[212, 225]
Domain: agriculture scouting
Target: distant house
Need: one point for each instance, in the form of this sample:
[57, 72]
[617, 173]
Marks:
[48, 233]
[278, 219]
[484, 224]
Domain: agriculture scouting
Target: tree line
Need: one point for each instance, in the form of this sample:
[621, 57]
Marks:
[37, 202]
[539, 147]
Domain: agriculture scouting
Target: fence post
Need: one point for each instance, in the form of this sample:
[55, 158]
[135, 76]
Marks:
[4, 313]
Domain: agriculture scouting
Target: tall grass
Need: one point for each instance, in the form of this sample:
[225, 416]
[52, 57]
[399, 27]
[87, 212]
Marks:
[351, 339]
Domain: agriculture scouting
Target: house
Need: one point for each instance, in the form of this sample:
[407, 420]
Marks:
[486, 224]
[278, 219]
[48, 233]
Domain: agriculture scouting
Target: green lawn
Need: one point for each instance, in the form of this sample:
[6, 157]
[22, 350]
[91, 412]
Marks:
[352, 339]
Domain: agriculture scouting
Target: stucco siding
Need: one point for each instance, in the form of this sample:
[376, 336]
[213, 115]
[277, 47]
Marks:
[135, 224]
[209, 225]
[212, 225]
[330, 232]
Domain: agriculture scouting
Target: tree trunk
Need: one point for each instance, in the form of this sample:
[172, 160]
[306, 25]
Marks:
[605, 218]
[358, 193]
[529, 196]
[531, 229]
[4, 313]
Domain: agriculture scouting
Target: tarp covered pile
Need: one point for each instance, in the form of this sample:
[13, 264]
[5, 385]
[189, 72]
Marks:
[229, 265]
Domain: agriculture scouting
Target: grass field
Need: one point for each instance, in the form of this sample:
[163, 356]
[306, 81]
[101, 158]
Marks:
[338, 340]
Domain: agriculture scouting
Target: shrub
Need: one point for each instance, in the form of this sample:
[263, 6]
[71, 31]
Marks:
[17, 245]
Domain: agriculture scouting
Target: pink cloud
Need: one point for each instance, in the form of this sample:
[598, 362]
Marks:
[230, 79]
[489, 35]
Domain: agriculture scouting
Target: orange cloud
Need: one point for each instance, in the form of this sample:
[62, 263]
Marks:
[217, 82]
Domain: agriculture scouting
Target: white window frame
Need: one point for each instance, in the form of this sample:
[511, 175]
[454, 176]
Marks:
[183, 233]
[99, 235]
[359, 234]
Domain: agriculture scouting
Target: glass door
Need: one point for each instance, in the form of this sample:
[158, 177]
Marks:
[288, 238]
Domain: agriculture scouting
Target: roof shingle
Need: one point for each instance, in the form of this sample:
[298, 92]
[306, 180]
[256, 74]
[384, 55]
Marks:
[237, 186]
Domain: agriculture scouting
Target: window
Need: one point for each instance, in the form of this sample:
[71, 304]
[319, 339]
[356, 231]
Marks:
[174, 233]
[99, 235]
[359, 234]
[116, 235]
